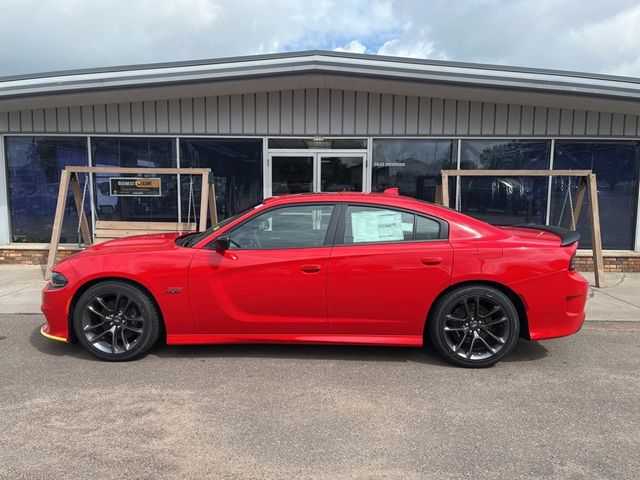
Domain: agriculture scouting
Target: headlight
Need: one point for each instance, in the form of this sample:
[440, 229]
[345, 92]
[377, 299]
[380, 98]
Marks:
[58, 280]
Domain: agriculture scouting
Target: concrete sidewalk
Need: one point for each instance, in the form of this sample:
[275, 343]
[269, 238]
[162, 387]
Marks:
[20, 287]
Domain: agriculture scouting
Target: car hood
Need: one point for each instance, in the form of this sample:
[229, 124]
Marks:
[138, 243]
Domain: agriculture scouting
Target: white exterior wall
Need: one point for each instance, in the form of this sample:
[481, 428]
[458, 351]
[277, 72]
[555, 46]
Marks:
[323, 112]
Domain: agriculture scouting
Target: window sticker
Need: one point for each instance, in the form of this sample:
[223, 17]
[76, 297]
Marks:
[383, 226]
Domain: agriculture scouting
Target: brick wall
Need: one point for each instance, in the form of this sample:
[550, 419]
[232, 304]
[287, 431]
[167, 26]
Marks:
[36, 256]
[611, 264]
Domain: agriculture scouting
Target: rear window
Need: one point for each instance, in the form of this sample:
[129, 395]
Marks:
[365, 224]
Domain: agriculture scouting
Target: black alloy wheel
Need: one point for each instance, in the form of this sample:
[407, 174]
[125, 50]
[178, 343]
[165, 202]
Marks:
[116, 321]
[474, 326]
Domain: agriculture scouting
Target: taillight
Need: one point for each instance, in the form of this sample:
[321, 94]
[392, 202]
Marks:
[572, 263]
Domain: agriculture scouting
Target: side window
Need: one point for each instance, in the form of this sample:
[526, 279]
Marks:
[288, 227]
[426, 229]
[364, 224]
[372, 224]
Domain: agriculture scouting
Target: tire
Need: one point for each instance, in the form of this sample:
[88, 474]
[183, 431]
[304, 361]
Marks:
[474, 326]
[116, 321]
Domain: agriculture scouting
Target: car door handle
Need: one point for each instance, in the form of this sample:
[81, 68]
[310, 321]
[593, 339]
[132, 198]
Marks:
[429, 261]
[310, 268]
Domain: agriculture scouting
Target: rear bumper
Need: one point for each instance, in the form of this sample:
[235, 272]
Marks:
[555, 304]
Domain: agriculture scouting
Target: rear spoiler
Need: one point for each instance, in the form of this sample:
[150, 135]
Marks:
[567, 237]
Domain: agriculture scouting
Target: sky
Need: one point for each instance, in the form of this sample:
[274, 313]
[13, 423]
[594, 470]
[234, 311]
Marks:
[582, 35]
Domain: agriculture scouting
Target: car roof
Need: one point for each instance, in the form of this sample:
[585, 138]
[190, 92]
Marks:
[389, 197]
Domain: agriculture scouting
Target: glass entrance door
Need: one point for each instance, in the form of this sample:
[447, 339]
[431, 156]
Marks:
[340, 173]
[315, 172]
[292, 174]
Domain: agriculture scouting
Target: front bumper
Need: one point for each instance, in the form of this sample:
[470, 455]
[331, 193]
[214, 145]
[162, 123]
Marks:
[44, 330]
[55, 307]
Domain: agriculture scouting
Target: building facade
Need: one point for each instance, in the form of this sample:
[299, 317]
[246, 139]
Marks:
[320, 121]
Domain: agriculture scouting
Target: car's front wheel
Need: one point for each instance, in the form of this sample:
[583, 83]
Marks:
[474, 326]
[116, 321]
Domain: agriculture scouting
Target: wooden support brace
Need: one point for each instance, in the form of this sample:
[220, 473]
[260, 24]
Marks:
[213, 209]
[204, 202]
[596, 239]
[577, 206]
[445, 189]
[438, 198]
[74, 182]
[57, 222]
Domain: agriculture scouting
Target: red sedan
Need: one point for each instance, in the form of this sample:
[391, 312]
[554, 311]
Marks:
[344, 268]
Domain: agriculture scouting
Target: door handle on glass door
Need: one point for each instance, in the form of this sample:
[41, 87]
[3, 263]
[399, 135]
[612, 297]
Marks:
[310, 268]
[431, 261]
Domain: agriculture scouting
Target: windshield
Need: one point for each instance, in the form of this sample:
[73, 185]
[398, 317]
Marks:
[192, 239]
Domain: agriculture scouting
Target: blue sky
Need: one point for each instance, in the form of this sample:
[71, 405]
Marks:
[583, 35]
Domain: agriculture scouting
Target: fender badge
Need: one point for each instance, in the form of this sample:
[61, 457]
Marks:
[174, 290]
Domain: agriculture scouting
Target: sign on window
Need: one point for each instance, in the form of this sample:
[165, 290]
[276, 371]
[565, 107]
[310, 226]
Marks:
[371, 226]
[134, 187]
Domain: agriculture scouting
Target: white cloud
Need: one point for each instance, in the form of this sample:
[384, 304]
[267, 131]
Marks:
[413, 49]
[354, 46]
[587, 35]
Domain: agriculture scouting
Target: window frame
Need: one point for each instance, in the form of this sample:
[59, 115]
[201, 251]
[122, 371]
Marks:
[328, 239]
[339, 235]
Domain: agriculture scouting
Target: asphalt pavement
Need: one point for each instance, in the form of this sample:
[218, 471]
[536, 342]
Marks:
[560, 409]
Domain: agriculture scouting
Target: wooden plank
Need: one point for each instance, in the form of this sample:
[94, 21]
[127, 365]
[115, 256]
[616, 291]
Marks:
[596, 239]
[577, 205]
[57, 221]
[204, 193]
[106, 225]
[445, 189]
[213, 209]
[517, 173]
[131, 232]
[138, 170]
[82, 214]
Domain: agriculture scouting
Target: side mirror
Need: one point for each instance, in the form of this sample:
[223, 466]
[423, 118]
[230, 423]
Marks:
[223, 243]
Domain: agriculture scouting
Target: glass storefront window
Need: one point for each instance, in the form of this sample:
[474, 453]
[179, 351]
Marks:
[34, 165]
[412, 165]
[505, 200]
[135, 152]
[616, 166]
[237, 171]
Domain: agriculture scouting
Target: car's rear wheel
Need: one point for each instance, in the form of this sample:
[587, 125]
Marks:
[474, 326]
[116, 321]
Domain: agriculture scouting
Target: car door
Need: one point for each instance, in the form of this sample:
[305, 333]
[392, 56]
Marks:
[272, 279]
[385, 270]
